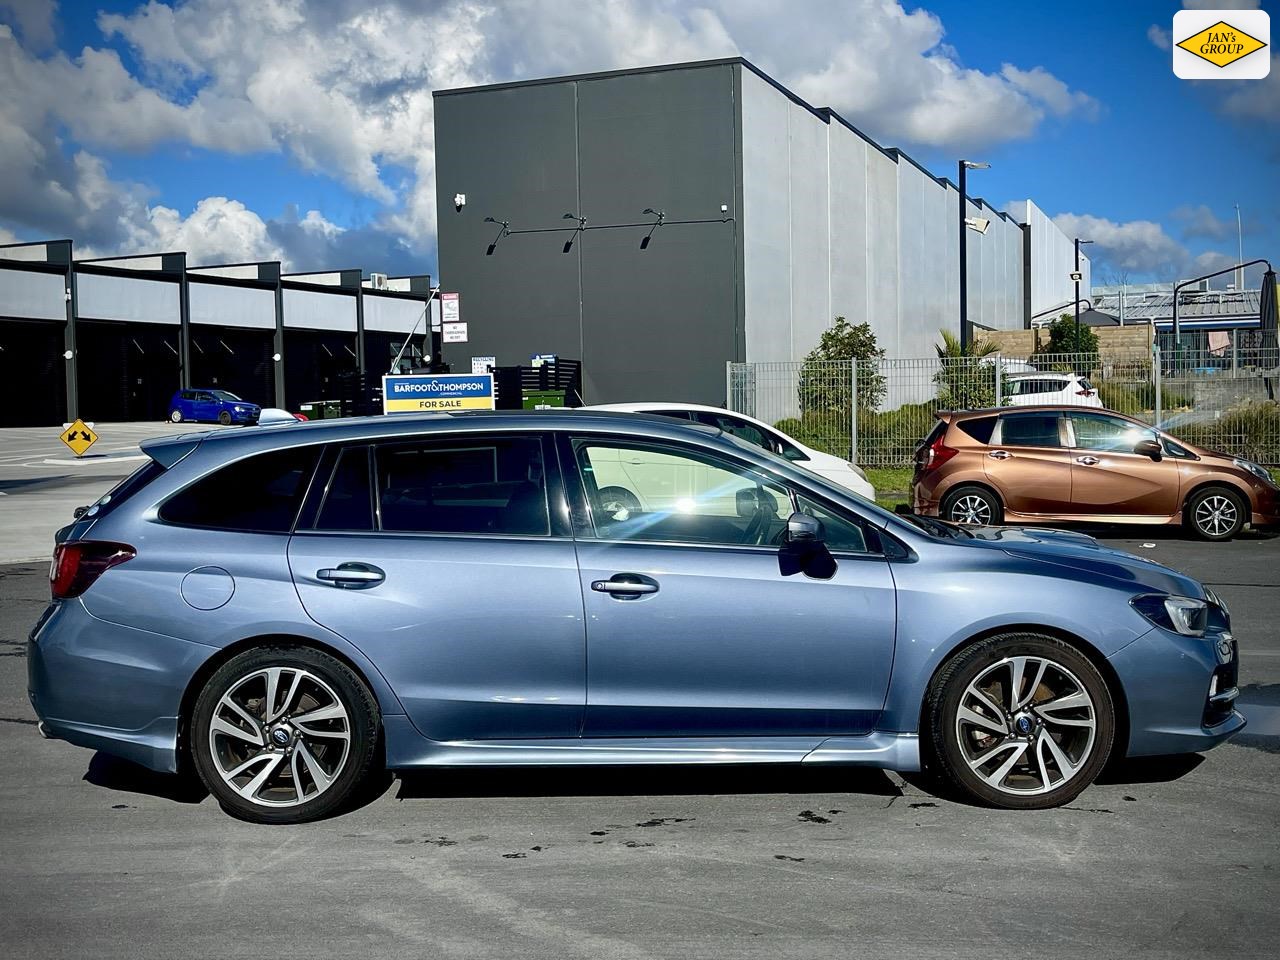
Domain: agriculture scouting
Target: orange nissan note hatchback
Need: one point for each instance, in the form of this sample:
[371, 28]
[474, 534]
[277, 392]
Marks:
[1062, 464]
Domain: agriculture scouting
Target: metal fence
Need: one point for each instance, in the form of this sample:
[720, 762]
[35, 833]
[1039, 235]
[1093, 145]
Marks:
[1225, 400]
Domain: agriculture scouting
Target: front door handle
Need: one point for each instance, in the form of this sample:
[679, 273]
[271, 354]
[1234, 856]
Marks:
[352, 576]
[999, 454]
[632, 586]
[1087, 461]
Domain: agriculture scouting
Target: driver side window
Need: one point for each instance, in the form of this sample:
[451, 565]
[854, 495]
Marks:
[640, 491]
[1094, 431]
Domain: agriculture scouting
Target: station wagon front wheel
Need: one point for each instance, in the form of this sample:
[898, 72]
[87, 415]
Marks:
[175, 416]
[1020, 721]
[284, 734]
[224, 418]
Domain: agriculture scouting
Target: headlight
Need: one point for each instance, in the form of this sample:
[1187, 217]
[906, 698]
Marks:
[239, 409]
[862, 474]
[1182, 615]
[1253, 468]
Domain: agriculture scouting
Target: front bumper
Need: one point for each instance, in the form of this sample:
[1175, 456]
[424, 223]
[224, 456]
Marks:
[109, 687]
[1179, 691]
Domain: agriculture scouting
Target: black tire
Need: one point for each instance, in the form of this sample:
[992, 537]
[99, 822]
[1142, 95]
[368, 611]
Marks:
[175, 416]
[224, 418]
[613, 500]
[1216, 513]
[952, 744]
[968, 500]
[349, 770]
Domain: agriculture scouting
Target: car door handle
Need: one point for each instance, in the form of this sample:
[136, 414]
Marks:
[352, 575]
[1087, 461]
[625, 588]
[999, 454]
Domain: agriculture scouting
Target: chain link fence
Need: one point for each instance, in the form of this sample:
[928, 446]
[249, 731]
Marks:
[1226, 400]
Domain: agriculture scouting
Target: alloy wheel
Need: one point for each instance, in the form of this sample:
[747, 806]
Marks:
[1216, 515]
[971, 509]
[280, 736]
[1026, 725]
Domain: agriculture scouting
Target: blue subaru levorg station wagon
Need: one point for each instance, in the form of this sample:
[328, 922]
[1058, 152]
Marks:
[473, 589]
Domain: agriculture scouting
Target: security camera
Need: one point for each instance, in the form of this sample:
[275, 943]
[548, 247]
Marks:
[724, 209]
[459, 201]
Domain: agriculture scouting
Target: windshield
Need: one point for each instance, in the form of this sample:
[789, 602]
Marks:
[224, 395]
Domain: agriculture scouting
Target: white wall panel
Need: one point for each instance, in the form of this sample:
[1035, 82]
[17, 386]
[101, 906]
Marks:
[810, 261]
[124, 298]
[230, 306]
[766, 220]
[313, 310]
[36, 296]
[393, 314]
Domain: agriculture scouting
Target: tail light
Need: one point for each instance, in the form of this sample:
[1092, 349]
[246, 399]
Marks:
[300, 416]
[77, 564]
[937, 454]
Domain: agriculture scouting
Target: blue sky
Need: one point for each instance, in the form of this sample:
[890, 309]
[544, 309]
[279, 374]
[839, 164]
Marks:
[301, 129]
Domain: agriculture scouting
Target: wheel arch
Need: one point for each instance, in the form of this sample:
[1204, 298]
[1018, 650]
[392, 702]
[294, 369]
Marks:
[1120, 746]
[984, 484]
[1230, 483]
[207, 669]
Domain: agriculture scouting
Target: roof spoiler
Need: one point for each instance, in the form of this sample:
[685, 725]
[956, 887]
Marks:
[167, 451]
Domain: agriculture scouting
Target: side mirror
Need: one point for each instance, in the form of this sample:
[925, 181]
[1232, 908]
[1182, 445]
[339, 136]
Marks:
[802, 528]
[1148, 448]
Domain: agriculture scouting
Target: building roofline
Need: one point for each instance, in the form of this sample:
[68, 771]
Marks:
[825, 114]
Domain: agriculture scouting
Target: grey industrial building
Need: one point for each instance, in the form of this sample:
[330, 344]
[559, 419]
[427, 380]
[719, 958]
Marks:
[112, 339]
[656, 223]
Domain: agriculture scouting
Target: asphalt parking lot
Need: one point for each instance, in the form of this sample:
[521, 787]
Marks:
[1165, 858]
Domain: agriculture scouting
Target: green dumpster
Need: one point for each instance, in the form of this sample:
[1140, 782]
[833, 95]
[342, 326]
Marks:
[543, 399]
[321, 409]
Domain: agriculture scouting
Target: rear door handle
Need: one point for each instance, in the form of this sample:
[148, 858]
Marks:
[999, 454]
[352, 575]
[1087, 461]
[632, 586]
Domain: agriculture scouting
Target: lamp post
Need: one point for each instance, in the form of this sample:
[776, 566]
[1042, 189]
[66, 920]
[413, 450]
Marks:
[964, 167]
[1077, 280]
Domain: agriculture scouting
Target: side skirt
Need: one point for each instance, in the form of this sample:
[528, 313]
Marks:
[406, 748]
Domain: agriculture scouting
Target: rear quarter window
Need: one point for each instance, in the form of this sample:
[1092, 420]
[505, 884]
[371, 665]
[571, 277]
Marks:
[979, 428]
[259, 494]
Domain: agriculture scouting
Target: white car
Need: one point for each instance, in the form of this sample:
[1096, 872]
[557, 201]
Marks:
[1059, 389]
[762, 435]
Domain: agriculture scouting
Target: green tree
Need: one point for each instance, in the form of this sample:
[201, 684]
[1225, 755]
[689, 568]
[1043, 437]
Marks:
[825, 375]
[1065, 350]
[965, 381]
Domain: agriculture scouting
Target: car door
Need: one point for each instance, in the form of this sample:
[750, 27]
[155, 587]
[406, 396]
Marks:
[692, 627]
[205, 406]
[440, 558]
[1109, 479]
[1028, 463]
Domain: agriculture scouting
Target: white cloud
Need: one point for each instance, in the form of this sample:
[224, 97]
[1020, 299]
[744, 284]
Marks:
[34, 20]
[1201, 221]
[343, 87]
[1140, 246]
[1159, 36]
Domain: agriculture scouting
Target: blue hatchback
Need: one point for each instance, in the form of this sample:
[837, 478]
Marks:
[212, 406]
[282, 609]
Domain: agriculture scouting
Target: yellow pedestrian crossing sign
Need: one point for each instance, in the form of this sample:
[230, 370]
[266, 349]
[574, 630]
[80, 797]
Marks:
[79, 436]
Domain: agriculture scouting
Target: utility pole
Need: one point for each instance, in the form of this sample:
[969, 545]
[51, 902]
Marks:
[1240, 243]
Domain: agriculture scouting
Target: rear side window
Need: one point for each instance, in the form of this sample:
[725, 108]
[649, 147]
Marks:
[494, 485]
[348, 498]
[1030, 430]
[735, 428]
[980, 428]
[260, 494]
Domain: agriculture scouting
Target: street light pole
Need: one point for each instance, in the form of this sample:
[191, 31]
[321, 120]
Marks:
[963, 167]
[964, 264]
[1077, 282]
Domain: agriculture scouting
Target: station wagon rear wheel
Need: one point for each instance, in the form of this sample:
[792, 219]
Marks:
[1020, 721]
[283, 735]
